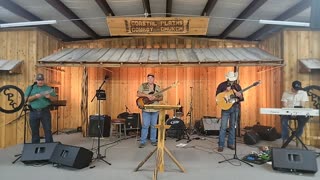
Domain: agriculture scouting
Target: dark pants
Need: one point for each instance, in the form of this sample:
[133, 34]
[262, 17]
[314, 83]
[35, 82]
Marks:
[45, 117]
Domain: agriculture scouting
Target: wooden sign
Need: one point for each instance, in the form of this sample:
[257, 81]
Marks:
[157, 26]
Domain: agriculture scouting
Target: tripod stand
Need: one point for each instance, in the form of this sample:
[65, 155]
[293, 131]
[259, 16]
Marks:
[101, 95]
[235, 156]
[25, 109]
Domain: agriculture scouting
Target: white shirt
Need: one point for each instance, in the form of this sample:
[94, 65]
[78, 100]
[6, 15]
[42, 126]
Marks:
[294, 99]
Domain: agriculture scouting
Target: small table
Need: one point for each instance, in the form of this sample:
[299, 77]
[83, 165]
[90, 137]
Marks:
[161, 141]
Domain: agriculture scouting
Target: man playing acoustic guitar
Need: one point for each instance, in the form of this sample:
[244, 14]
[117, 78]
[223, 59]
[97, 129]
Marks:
[149, 116]
[231, 114]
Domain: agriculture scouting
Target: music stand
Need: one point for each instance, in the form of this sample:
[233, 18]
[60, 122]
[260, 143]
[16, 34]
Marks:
[161, 149]
[235, 156]
[101, 95]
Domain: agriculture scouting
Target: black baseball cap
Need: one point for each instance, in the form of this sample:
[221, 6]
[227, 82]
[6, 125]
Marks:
[296, 85]
[40, 77]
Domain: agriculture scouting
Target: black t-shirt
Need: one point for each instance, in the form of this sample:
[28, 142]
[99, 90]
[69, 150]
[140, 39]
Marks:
[223, 86]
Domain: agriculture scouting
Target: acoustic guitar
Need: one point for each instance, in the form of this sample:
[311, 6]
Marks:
[226, 99]
[141, 101]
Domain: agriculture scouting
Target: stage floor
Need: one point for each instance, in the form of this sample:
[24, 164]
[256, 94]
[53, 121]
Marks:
[199, 158]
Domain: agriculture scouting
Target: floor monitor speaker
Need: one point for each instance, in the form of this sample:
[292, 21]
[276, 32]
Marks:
[37, 152]
[72, 156]
[294, 160]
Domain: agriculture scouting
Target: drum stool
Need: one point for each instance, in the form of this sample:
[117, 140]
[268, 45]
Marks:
[118, 122]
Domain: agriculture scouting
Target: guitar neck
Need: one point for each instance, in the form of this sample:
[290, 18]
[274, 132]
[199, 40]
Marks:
[160, 92]
[252, 85]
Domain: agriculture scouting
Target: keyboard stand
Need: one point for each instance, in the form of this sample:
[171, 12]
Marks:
[291, 138]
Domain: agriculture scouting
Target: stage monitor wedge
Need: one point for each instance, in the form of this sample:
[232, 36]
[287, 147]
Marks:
[37, 152]
[71, 156]
[294, 160]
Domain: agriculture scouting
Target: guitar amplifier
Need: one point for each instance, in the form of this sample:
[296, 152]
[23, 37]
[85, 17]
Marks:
[132, 120]
[99, 128]
[210, 125]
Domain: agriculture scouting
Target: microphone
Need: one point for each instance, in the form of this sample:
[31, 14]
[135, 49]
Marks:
[106, 77]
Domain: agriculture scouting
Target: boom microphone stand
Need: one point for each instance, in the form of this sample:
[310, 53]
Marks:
[235, 144]
[25, 109]
[101, 95]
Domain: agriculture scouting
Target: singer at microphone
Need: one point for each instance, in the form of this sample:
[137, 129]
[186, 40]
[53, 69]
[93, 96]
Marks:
[39, 98]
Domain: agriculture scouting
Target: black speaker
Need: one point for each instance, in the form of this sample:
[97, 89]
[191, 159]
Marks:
[315, 14]
[105, 123]
[251, 137]
[37, 153]
[71, 156]
[267, 133]
[296, 160]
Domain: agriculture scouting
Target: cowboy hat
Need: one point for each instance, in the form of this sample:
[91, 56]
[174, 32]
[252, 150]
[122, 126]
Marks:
[232, 76]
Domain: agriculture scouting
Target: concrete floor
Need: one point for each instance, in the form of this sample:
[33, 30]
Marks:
[199, 158]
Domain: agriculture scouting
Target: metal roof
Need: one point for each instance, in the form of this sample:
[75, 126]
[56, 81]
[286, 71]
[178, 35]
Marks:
[308, 65]
[147, 56]
[12, 66]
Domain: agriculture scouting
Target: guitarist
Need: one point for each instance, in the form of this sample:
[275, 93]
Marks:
[229, 114]
[39, 97]
[149, 116]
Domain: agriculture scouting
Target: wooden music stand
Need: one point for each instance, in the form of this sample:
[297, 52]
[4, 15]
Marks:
[161, 140]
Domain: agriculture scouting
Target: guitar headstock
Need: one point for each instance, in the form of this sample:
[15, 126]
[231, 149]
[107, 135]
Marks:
[175, 84]
[256, 83]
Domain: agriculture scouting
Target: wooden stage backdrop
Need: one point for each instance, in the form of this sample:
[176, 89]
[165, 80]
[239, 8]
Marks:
[122, 85]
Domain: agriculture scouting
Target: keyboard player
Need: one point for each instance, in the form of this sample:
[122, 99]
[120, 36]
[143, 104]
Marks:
[296, 97]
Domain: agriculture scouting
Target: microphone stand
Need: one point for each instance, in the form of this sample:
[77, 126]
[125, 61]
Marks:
[101, 95]
[25, 109]
[235, 156]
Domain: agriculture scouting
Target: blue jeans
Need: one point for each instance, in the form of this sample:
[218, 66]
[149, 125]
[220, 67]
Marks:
[302, 120]
[149, 119]
[231, 115]
[45, 117]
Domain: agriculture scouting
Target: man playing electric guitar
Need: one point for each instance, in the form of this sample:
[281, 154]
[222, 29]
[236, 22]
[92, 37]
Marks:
[149, 116]
[231, 114]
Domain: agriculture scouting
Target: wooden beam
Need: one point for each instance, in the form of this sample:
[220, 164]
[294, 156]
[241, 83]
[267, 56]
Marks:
[209, 7]
[146, 6]
[250, 9]
[103, 4]
[168, 8]
[296, 9]
[63, 9]
[18, 10]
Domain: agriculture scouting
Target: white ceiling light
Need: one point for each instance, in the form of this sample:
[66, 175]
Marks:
[31, 23]
[284, 23]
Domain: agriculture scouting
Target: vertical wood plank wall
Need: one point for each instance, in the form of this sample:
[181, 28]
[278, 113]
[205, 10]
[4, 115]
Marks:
[299, 45]
[293, 45]
[29, 46]
[122, 85]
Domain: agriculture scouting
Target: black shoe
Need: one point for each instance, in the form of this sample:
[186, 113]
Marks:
[142, 145]
[154, 143]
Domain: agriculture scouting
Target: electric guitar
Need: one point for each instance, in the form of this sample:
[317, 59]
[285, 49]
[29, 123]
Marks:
[141, 101]
[226, 99]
